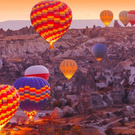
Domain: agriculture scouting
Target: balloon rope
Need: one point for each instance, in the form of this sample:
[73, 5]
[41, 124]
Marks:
[51, 45]
[1, 128]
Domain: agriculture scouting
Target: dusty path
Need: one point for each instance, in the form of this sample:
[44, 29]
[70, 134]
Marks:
[102, 129]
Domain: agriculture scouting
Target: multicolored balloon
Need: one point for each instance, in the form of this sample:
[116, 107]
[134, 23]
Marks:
[9, 102]
[106, 17]
[37, 71]
[99, 50]
[131, 17]
[68, 68]
[123, 17]
[34, 92]
[51, 19]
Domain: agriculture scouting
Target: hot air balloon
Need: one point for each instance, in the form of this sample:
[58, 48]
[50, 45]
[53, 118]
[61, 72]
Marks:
[131, 17]
[34, 92]
[9, 102]
[99, 50]
[106, 17]
[51, 19]
[37, 71]
[68, 68]
[123, 17]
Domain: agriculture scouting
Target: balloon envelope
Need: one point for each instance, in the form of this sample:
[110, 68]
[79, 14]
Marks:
[106, 17]
[68, 68]
[131, 17]
[123, 17]
[51, 19]
[34, 92]
[9, 102]
[37, 71]
[99, 50]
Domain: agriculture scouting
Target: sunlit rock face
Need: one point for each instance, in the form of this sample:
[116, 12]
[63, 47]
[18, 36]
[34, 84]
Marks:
[57, 113]
[68, 111]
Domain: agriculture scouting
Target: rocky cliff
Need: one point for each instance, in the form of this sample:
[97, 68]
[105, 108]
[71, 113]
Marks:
[111, 77]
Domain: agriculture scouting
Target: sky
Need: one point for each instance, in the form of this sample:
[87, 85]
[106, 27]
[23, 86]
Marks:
[81, 9]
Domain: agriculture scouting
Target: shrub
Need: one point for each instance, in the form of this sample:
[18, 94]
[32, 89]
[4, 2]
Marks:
[76, 130]
[122, 122]
[56, 104]
[109, 131]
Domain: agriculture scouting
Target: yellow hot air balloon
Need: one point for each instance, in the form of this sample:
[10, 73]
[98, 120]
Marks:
[123, 17]
[9, 103]
[51, 19]
[68, 68]
[106, 17]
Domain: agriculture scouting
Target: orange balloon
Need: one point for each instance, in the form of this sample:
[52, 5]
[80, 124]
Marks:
[123, 17]
[68, 68]
[106, 17]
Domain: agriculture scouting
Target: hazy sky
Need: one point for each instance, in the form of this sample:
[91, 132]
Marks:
[82, 9]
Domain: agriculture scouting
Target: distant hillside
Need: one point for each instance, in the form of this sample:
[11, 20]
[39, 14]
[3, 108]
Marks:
[15, 24]
[18, 24]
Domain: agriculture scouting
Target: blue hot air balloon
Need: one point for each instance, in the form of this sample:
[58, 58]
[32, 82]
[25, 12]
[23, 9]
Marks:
[34, 92]
[99, 50]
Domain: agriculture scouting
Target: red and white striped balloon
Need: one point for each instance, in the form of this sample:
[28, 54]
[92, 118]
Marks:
[131, 17]
[37, 71]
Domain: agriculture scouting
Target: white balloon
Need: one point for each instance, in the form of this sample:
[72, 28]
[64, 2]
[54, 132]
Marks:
[37, 71]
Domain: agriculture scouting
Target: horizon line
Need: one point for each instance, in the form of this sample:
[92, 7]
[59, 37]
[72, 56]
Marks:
[72, 20]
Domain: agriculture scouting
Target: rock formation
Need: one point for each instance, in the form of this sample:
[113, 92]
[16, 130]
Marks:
[94, 85]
